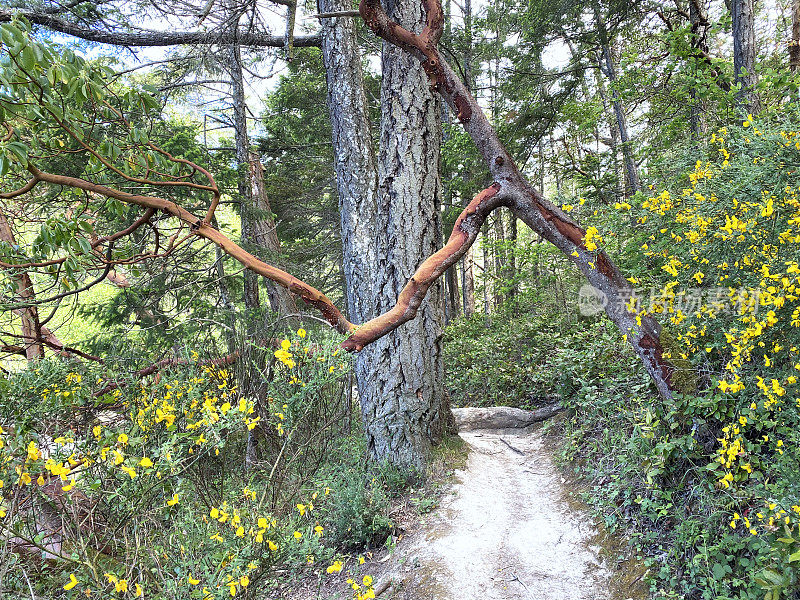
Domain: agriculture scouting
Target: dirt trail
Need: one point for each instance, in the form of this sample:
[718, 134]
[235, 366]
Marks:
[504, 532]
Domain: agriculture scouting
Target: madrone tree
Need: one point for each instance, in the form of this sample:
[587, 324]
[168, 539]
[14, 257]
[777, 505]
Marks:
[76, 160]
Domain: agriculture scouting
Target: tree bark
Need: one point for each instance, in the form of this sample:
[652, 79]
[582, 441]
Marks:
[354, 159]
[744, 55]
[468, 284]
[29, 316]
[403, 399]
[608, 68]
[794, 44]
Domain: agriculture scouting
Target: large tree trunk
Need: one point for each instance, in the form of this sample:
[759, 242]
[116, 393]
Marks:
[400, 387]
[744, 55]
[403, 399]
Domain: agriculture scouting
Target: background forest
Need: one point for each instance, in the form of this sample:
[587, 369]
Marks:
[176, 424]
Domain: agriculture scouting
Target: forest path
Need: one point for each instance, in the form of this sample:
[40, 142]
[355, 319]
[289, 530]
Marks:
[505, 531]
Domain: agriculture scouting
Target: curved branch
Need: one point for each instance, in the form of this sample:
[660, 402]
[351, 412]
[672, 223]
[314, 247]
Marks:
[465, 230]
[308, 293]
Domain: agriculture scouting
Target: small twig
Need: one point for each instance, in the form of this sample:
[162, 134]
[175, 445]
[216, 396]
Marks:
[517, 450]
[339, 13]
[28, 581]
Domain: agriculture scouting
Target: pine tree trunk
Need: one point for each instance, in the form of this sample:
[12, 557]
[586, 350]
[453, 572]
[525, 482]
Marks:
[606, 63]
[744, 55]
[403, 399]
[468, 284]
[400, 385]
[354, 160]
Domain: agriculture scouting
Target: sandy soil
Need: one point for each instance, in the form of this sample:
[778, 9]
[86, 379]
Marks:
[505, 532]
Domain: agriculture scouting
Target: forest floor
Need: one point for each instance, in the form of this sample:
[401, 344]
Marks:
[508, 528]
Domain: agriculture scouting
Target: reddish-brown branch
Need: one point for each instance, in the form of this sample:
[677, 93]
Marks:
[525, 201]
[408, 302]
[23, 190]
[308, 293]
[148, 214]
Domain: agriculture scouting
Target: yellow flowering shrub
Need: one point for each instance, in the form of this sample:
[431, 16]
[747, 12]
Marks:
[147, 477]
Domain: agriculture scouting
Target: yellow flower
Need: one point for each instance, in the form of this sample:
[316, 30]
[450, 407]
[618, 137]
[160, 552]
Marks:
[174, 501]
[146, 462]
[335, 567]
[240, 531]
[71, 583]
[272, 545]
[192, 580]
[367, 580]
[244, 581]
[139, 591]
[122, 438]
[297, 535]
[301, 332]
[285, 345]
[121, 585]
[33, 451]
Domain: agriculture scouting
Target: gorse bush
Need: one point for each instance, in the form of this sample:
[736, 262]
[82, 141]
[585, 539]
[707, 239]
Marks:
[137, 488]
[716, 469]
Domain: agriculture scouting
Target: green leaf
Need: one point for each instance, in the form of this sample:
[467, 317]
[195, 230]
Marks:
[19, 150]
[85, 246]
[794, 557]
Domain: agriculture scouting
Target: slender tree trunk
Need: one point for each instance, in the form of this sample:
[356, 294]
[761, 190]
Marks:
[698, 20]
[608, 68]
[500, 259]
[468, 284]
[511, 256]
[613, 130]
[258, 227]
[794, 44]
[29, 316]
[354, 160]
[744, 55]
